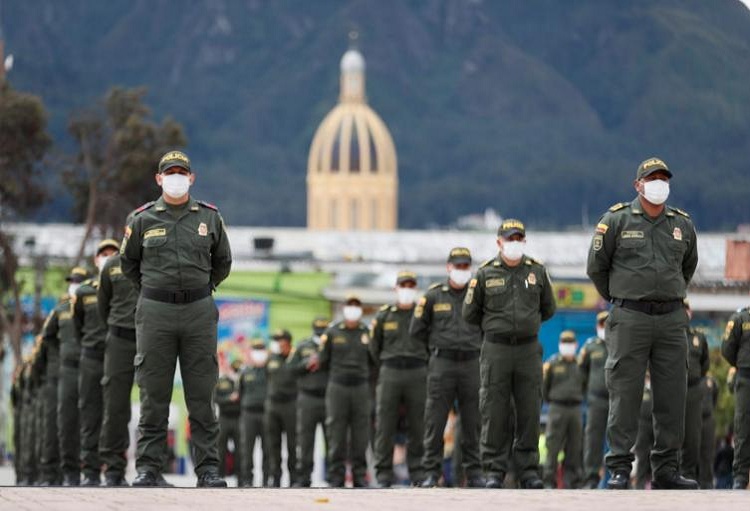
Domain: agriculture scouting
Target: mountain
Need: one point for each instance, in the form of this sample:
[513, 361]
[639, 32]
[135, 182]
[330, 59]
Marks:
[538, 108]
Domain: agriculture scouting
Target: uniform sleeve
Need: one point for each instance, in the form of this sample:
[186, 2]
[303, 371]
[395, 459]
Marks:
[584, 363]
[221, 255]
[130, 252]
[78, 316]
[731, 342]
[473, 307]
[296, 363]
[376, 337]
[221, 397]
[324, 349]
[548, 305]
[600, 254]
[690, 261]
[51, 327]
[104, 292]
[546, 381]
[419, 328]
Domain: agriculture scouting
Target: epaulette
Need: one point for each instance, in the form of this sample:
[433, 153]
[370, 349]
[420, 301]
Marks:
[531, 260]
[679, 211]
[619, 206]
[384, 308]
[487, 262]
[207, 205]
[88, 282]
[435, 286]
[143, 208]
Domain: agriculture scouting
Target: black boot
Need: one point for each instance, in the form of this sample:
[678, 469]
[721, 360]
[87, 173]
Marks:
[91, 480]
[532, 483]
[431, 481]
[496, 482]
[145, 478]
[739, 484]
[115, 480]
[673, 481]
[620, 480]
[211, 479]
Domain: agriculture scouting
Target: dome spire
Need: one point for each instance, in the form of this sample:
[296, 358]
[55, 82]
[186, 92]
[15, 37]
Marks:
[352, 72]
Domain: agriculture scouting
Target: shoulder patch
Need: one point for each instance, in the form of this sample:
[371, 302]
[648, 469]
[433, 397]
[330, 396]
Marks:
[143, 208]
[207, 205]
[384, 308]
[487, 263]
[435, 286]
[619, 206]
[679, 211]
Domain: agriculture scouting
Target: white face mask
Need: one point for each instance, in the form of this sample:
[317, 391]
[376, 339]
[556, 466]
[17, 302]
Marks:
[513, 250]
[352, 312]
[406, 295]
[259, 357]
[72, 288]
[274, 347]
[656, 191]
[175, 185]
[101, 261]
[459, 277]
[567, 349]
[600, 332]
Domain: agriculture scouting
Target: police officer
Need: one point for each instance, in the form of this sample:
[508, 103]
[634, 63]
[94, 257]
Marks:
[708, 433]
[402, 359]
[281, 409]
[91, 331]
[642, 257]
[32, 381]
[16, 400]
[227, 398]
[176, 251]
[698, 365]
[116, 299]
[735, 348]
[453, 371]
[509, 298]
[344, 350]
[591, 361]
[562, 388]
[311, 404]
[253, 390]
[50, 460]
[68, 418]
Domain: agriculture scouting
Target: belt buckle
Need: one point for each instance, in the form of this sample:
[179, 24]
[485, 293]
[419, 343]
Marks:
[513, 340]
[180, 296]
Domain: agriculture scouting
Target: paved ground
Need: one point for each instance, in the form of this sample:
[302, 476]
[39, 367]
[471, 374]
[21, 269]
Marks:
[80, 499]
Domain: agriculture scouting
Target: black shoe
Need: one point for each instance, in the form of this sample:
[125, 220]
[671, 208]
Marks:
[115, 480]
[163, 483]
[495, 482]
[673, 481]
[71, 480]
[620, 480]
[592, 483]
[360, 482]
[430, 481]
[336, 483]
[145, 478]
[739, 484]
[211, 479]
[301, 484]
[91, 481]
[384, 484]
[532, 483]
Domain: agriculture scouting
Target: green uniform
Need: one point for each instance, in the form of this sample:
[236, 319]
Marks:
[452, 375]
[50, 460]
[644, 439]
[698, 364]
[68, 417]
[91, 331]
[591, 360]
[253, 390]
[643, 266]
[176, 256]
[281, 417]
[562, 388]
[736, 350]
[311, 407]
[402, 379]
[708, 433]
[344, 351]
[227, 397]
[510, 304]
[16, 400]
[28, 425]
[116, 301]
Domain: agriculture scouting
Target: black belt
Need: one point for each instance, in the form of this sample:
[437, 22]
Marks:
[179, 296]
[71, 363]
[403, 362]
[511, 340]
[601, 394]
[314, 392]
[95, 353]
[282, 398]
[456, 355]
[565, 402]
[348, 380]
[692, 382]
[744, 372]
[254, 408]
[649, 307]
[122, 333]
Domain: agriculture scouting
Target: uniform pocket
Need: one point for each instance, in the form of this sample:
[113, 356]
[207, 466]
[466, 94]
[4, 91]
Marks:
[152, 247]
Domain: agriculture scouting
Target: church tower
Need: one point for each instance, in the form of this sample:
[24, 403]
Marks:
[352, 171]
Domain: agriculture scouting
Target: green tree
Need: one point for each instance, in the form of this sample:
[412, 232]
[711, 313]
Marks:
[119, 146]
[24, 142]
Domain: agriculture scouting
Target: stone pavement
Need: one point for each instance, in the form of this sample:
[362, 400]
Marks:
[158, 499]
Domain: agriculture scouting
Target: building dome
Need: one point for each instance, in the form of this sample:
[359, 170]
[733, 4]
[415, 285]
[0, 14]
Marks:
[352, 177]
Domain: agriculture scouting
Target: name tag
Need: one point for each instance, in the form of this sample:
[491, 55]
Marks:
[443, 307]
[559, 370]
[273, 364]
[339, 339]
[88, 300]
[249, 377]
[632, 235]
[154, 232]
[65, 315]
[115, 270]
[390, 325]
[225, 385]
[597, 354]
[495, 282]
